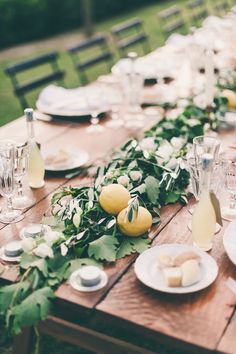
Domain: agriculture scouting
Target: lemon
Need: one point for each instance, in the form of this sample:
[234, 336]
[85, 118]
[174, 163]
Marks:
[136, 227]
[231, 96]
[114, 198]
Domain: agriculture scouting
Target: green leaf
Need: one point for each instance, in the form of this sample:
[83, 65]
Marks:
[7, 292]
[34, 262]
[103, 248]
[152, 189]
[171, 197]
[34, 308]
[132, 245]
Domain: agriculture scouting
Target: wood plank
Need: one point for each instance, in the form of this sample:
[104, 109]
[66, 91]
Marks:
[189, 321]
[227, 342]
[88, 338]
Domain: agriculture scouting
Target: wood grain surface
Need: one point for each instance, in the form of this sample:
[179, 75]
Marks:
[191, 321]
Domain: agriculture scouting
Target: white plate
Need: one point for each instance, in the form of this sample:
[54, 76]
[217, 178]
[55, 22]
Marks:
[77, 159]
[74, 281]
[58, 101]
[229, 241]
[8, 259]
[150, 274]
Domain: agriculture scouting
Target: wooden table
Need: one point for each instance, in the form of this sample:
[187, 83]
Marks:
[204, 322]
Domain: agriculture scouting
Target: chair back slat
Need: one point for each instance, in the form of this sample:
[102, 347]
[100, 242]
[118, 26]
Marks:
[125, 43]
[98, 59]
[27, 87]
[31, 63]
[101, 53]
[136, 22]
[170, 12]
[22, 88]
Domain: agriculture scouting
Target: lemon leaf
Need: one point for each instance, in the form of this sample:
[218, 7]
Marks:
[152, 189]
[132, 245]
[104, 248]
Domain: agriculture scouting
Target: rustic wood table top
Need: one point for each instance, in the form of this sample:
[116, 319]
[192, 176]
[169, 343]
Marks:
[202, 322]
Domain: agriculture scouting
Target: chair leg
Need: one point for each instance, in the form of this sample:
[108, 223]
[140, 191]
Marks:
[22, 342]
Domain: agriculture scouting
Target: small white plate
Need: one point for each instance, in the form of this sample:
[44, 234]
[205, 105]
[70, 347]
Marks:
[77, 158]
[229, 241]
[74, 281]
[8, 259]
[148, 272]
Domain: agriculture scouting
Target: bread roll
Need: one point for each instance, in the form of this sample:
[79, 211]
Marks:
[191, 272]
[185, 256]
[164, 260]
[172, 276]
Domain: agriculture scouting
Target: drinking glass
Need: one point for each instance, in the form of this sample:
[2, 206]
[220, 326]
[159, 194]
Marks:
[96, 101]
[7, 183]
[229, 212]
[205, 145]
[21, 201]
[115, 102]
[195, 171]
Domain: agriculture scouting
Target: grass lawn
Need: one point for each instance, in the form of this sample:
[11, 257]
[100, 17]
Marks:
[10, 108]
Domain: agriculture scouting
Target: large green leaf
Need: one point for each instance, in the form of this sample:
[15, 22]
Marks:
[152, 189]
[34, 308]
[104, 248]
[132, 245]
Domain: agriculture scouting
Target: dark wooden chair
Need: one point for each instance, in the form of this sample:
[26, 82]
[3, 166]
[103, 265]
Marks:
[129, 34]
[197, 11]
[21, 89]
[221, 7]
[89, 53]
[172, 20]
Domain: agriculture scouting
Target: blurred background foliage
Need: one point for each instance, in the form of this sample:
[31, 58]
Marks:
[26, 20]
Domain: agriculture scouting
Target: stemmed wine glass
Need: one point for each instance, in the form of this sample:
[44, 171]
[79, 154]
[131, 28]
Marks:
[7, 183]
[229, 212]
[96, 103]
[115, 101]
[21, 201]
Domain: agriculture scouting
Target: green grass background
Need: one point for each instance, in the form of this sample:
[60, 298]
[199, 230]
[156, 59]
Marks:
[10, 108]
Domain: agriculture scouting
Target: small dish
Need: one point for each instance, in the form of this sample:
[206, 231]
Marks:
[76, 283]
[5, 258]
[45, 228]
[148, 272]
[229, 241]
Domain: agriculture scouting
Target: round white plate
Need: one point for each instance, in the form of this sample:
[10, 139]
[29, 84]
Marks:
[148, 272]
[229, 241]
[58, 101]
[8, 259]
[77, 159]
[74, 281]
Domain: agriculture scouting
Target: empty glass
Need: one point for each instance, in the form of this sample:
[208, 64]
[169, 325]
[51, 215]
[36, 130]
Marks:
[21, 201]
[7, 183]
[96, 103]
[229, 212]
[205, 145]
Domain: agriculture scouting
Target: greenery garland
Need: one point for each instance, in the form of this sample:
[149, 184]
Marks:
[152, 169]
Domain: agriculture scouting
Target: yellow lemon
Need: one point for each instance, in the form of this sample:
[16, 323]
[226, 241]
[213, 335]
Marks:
[231, 96]
[114, 198]
[138, 226]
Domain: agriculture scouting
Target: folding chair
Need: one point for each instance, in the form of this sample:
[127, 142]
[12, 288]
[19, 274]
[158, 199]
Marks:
[21, 89]
[129, 34]
[89, 53]
[197, 11]
[172, 20]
